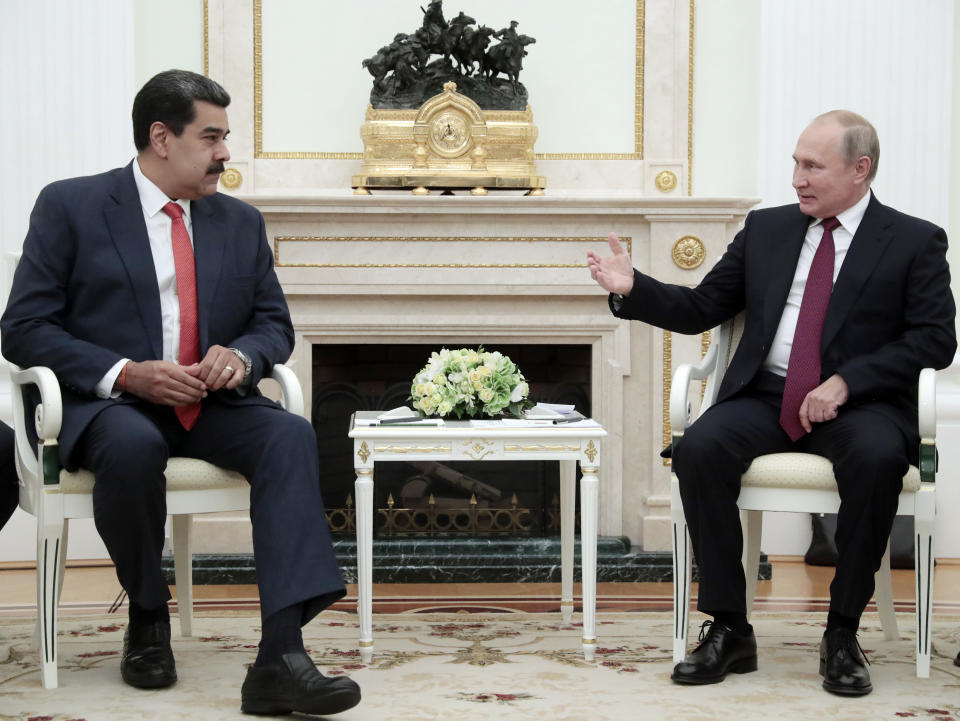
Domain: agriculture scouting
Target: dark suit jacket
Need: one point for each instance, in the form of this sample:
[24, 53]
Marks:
[85, 291]
[890, 315]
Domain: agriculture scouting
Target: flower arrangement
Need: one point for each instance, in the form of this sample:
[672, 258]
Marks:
[470, 383]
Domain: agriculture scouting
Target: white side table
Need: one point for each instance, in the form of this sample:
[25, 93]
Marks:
[459, 441]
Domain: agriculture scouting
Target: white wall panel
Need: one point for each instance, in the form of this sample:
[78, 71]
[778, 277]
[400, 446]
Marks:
[888, 60]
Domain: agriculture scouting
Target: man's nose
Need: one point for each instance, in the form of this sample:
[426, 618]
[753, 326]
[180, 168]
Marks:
[223, 152]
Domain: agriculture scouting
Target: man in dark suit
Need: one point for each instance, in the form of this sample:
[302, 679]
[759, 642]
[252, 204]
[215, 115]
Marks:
[154, 300]
[832, 348]
[9, 484]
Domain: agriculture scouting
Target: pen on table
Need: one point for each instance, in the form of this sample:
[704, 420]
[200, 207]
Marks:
[407, 419]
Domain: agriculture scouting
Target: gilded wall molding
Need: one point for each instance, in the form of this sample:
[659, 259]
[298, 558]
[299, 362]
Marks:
[278, 239]
[259, 152]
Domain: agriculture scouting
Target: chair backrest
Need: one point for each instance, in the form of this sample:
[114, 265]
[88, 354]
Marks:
[725, 337]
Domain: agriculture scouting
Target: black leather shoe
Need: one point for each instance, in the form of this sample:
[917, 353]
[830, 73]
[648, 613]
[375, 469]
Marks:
[956, 661]
[295, 684]
[147, 657]
[721, 650]
[843, 665]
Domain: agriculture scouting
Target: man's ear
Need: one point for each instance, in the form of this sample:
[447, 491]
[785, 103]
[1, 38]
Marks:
[862, 167]
[159, 134]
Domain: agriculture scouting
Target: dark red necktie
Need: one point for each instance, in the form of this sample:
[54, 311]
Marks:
[803, 370]
[187, 295]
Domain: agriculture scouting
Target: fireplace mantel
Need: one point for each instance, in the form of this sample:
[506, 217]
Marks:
[457, 270]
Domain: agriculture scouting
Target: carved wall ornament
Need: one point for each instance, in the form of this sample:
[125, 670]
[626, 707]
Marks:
[231, 179]
[689, 252]
[666, 181]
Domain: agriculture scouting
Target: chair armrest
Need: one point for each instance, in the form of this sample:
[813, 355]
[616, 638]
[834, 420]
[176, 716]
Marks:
[927, 404]
[47, 419]
[680, 388]
[291, 393]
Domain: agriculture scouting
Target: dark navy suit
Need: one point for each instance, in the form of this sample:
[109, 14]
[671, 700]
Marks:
[85, 296]
[891, 313]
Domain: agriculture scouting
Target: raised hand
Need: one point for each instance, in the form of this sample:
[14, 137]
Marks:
[613, 273]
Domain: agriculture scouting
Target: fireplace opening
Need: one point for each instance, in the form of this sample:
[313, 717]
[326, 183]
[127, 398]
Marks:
[425, 498]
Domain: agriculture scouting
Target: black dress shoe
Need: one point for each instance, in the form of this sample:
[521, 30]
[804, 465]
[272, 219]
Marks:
[956, 661]
[147, 657]
[294, 684]
[721, 650]
[843, 665]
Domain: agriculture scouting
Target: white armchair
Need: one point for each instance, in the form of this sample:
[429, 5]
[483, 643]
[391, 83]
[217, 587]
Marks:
[55, 496]
[804, 483]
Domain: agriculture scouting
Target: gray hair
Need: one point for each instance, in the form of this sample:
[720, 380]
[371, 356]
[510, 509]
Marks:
[859, 138]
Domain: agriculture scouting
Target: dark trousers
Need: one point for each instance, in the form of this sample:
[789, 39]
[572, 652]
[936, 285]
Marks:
[9, 485]
[127, 447]
[869, 455]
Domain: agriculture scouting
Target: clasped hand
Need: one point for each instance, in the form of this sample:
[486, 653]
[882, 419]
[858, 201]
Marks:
[170, 384]
[823, 402]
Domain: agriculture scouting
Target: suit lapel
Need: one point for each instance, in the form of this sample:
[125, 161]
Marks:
[872, 237]
[124, 216]
[781, 269]
[209, 238]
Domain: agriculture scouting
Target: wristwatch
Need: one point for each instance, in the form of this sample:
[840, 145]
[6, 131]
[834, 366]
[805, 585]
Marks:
[247, 363]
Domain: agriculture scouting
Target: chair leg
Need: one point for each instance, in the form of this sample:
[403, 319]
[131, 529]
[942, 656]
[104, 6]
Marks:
[751, 523]
[681, 573]
[50, 550]
[923, 525]
[883, 594]
[183, 570]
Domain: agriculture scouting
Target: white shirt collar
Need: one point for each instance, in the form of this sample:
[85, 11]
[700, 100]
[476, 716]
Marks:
[151, 197]
[851, 217]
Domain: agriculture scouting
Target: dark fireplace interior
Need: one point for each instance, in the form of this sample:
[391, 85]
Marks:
[496, 498]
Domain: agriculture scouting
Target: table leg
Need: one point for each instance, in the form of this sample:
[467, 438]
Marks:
[589, 490]
[568, 486]
[364, 492]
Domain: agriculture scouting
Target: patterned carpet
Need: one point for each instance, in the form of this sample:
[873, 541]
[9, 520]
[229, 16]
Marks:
[439, 667]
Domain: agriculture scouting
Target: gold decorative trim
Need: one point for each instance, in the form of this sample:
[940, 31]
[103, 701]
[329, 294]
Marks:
[665, 181]
[364, 452]
[588, 471]
[206, 37]
[690, 104]
[258, 151]
[536, 447]
[363, 472]
[705, 339]
[589, 641]
[231, 179]
[478, 449]
[365, 644]
[412, 449]
[689, 252]
[591, 452]
[667, 377]
[277, 239]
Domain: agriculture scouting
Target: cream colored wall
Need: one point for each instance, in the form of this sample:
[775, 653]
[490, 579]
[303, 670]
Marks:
[167, 35]
[726, 79]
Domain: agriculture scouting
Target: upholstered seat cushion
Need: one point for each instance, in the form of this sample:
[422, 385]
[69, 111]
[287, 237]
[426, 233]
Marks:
[804, 470]
[182, 474]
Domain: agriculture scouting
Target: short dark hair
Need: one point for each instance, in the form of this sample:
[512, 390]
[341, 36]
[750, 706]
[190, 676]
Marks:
[168, 97]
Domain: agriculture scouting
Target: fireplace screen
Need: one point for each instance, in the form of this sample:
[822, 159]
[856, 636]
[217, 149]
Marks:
[425, 498]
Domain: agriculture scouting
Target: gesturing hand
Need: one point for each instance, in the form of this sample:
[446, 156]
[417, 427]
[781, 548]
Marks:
[614, 273]
[164, 382]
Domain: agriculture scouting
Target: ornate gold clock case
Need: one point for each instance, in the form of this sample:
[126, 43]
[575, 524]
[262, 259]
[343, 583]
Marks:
[450, 142]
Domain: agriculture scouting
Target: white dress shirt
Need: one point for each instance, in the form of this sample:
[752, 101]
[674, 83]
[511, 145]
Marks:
[159, 226]
[779, 357]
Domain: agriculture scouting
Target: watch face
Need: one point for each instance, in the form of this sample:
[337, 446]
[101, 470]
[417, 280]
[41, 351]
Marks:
[449, 134]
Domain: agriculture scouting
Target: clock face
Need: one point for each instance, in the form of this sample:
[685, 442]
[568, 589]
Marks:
[449, 134]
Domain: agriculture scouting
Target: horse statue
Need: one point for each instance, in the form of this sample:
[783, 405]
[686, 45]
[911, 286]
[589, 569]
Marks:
[470, 48]
[434, 24]
[506, 57]
[451, 36]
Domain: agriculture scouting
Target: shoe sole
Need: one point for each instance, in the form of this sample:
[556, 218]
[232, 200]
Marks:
[840, 690]
[743, 665]
[334, 702]
[148, 683]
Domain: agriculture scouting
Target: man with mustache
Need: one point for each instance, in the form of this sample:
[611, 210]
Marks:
[845, 300]
[154, 300]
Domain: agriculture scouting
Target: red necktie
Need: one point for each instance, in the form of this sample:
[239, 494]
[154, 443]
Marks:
[187, 295]
[803, 370]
